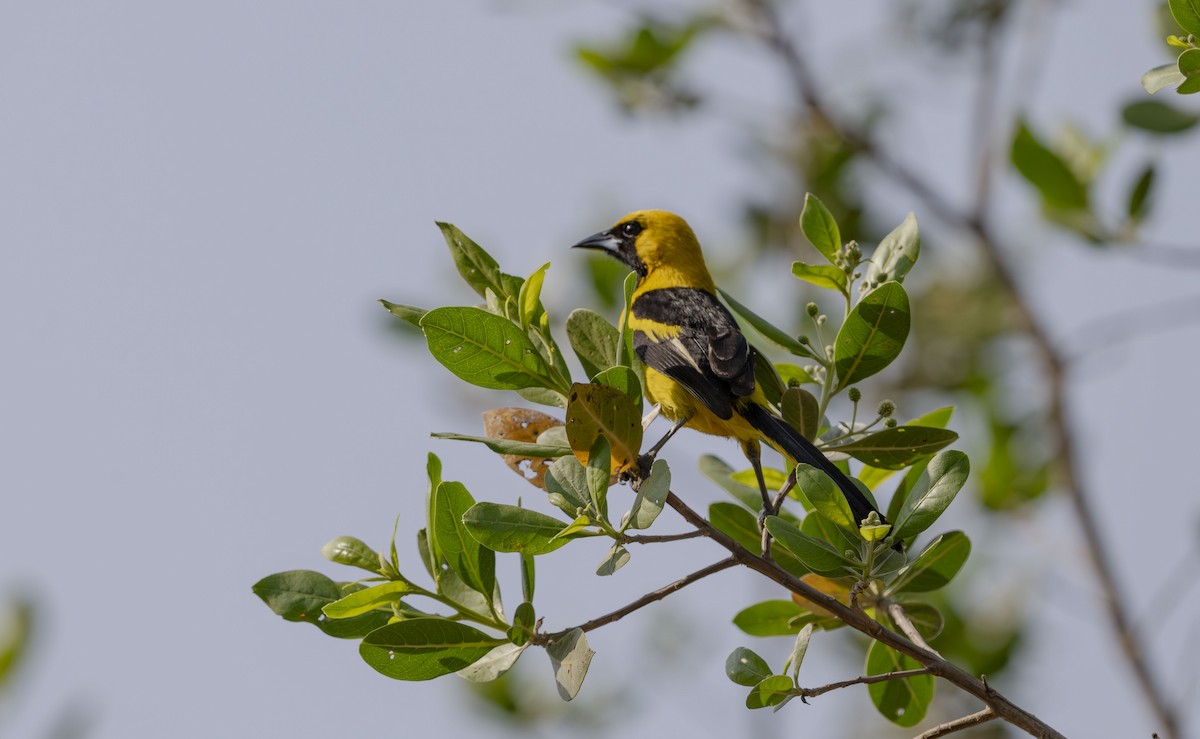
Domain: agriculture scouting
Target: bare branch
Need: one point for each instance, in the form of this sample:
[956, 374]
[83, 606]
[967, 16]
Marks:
[864, 680]
[1004, 708]
[658, 538]
[642, 602]
[958, 724]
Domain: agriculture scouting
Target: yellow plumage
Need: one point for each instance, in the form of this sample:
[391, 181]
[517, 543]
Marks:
[699, 367]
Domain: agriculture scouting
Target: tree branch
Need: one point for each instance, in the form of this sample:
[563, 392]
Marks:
[658, 538]
[642, 602]
[864, 680]
[770, 30]
[958, 724]
[1004, 708]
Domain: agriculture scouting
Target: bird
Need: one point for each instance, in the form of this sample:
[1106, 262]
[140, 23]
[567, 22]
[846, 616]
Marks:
[699, 366]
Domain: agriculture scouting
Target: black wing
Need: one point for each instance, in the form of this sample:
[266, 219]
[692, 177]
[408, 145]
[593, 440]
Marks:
[709, 357]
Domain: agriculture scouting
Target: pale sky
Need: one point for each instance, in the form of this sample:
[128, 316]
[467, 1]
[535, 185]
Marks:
[199, 205]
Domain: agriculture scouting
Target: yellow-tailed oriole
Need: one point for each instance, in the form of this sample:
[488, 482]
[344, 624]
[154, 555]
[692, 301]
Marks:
[699, 366]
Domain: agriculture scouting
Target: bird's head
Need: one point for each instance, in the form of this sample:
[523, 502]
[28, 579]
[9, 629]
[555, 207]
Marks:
[651, 241]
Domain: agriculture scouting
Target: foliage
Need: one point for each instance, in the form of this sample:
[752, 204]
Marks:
[452, 618]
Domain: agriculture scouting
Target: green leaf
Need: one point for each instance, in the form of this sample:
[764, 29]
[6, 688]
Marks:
[896, 254]
[873, 334]
[543, 396]
[1157, 117]
[792, 375]
[362, 601]
[1044, 169]
[508, 446]
[905, 487]
[1186, 14]
[346, 550]
[580, 527]
[529, 299]
[477, 266]
[816, 554]
[774, 479]
[524, 623]
[594, 410]
[650, 498]
[507, 528]
[433, 470]
[16, 637]
[770, 692]
[820, 228]
[528, 576]
[625, 353]
[623, 379]
[802, 411]
[933, 492]
[770, 618]
[484, 349]
[1162, 77]
[1139, 194]
[566, 482]
[299, 595]
[775, 335]
[570, 656]
[425, 648]
[594, 340]
[822, 275]
[475, 564]
[744, 667]
[799, 649]
[896, 448]
[742, 526]
[826, 498]
[598, 476]
[766, 378]
[938, 418]
[820, 527]
[614, 559]
[407, 313]
[722, 474]
[493, 664]
[936, 566]
[903, 702]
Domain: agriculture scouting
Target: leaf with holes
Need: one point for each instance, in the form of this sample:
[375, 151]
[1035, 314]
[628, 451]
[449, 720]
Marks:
[484, 349]
[873, 334]
[595, 410]
[526, 426]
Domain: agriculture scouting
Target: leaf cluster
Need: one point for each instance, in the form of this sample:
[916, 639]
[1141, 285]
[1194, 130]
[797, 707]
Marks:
[452, 619]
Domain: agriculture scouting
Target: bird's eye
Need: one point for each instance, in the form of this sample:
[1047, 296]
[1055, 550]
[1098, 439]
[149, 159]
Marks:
[631, 229]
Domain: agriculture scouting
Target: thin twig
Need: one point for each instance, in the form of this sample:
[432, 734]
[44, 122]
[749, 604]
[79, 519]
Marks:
[1005, 709]
[771, 32]
[958, 724]
[642, 602]
[658, 538]
[864, 680]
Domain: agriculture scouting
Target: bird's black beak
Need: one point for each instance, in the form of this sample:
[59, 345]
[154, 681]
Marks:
[603, 241]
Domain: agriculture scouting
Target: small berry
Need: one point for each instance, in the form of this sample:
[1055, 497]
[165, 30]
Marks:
[886, 408]
[855, 395]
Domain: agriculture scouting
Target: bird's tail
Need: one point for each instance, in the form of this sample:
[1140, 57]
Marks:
[790, 442]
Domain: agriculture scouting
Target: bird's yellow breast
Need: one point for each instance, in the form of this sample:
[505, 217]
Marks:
[677, 403]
